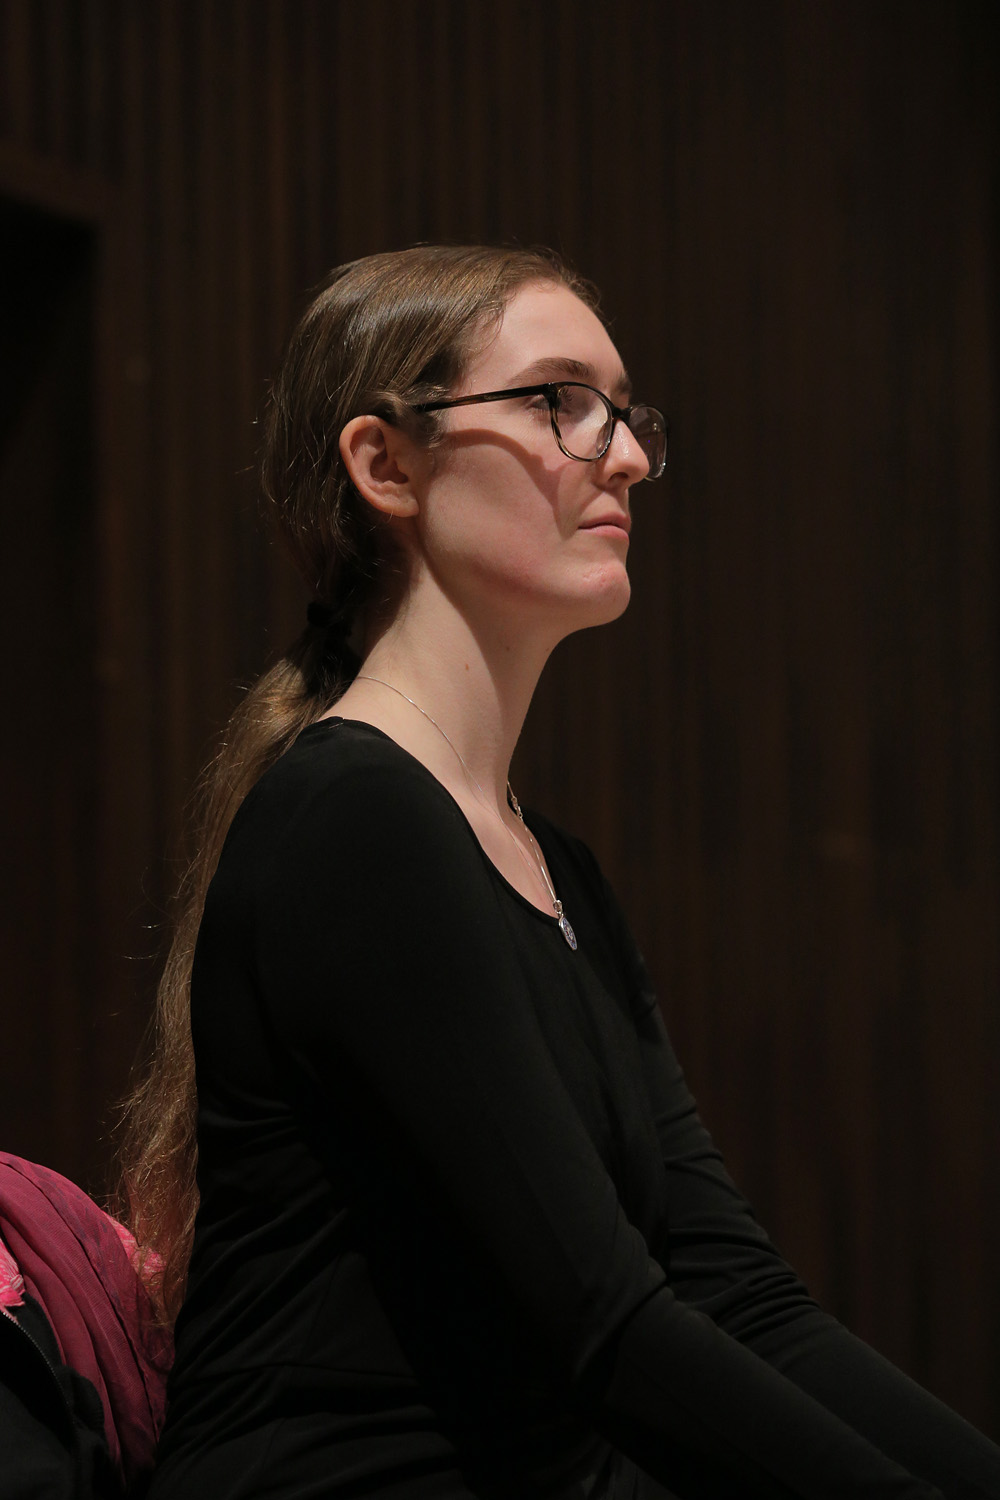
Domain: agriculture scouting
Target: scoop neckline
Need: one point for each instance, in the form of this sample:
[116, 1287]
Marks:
[337, 719]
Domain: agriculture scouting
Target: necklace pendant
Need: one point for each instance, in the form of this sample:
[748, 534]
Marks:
[564, 924]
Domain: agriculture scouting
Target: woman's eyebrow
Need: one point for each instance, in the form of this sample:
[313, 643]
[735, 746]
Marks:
[551, 367]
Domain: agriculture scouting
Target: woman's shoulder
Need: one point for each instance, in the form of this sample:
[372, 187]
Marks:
[346, 778]
[334, 755]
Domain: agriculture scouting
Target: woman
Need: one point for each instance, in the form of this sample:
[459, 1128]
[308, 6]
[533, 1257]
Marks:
[461, 1232]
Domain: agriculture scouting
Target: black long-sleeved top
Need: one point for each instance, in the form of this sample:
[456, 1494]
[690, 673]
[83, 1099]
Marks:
[462, 1232]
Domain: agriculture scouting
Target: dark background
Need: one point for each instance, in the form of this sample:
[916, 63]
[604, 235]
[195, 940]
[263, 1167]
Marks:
[785, 754]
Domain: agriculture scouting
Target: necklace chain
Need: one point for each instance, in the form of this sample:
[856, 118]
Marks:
[557, 906]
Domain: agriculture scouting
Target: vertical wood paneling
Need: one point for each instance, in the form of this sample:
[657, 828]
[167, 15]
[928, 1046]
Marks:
[212, 624]
[100, 77]
[127, 623]
[59, 37]
[20, 70]
[317, 144]
[786, 752]
[245, 360]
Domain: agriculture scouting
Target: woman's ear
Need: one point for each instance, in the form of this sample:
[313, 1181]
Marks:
[383, 464]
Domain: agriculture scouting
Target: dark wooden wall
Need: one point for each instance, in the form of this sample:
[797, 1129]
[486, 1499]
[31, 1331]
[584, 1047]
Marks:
[785, 754]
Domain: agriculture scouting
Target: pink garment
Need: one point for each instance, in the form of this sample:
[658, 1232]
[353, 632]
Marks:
[11, 1280]
[77, 1262]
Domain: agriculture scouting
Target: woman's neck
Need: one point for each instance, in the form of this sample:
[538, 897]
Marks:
[453, 695]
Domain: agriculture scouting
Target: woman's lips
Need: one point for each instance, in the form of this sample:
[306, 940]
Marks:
[609, 525]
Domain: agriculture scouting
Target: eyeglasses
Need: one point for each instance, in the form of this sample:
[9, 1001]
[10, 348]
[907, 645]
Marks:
[583, 420]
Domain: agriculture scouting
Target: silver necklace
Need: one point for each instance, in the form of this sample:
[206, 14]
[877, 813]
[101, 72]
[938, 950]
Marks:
[557, 906]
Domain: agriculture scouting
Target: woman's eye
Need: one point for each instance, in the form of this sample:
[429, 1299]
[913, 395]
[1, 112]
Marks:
[568, 402]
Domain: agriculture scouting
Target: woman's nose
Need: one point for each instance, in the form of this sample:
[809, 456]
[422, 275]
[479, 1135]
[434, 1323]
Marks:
[625, 453]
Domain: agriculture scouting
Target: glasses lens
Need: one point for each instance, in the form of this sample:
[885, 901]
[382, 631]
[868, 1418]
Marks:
[649, 428]
[583, 421]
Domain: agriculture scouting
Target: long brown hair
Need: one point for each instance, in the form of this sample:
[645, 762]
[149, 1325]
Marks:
[384, 333]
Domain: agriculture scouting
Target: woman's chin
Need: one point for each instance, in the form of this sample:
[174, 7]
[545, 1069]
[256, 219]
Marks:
[616, 591]
[616, 610]
[606, 600]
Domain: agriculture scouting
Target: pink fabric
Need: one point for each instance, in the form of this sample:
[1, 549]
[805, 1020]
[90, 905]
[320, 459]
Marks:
[148, 1267]
[11, 1280]
[77, 1263]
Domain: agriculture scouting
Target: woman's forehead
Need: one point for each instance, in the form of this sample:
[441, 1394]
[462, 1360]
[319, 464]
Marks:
[546, 333]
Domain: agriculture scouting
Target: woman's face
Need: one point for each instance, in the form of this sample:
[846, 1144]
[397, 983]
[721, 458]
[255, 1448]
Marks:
[508, 523]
